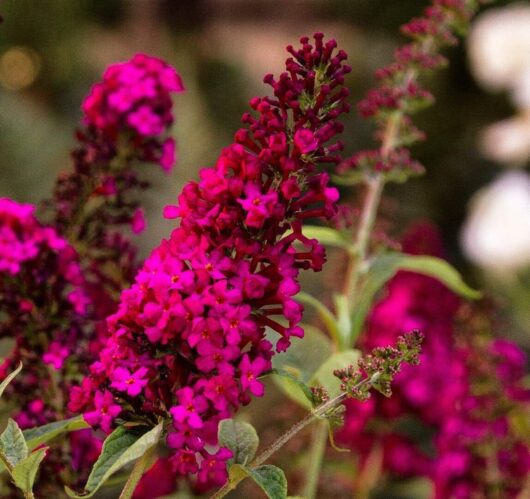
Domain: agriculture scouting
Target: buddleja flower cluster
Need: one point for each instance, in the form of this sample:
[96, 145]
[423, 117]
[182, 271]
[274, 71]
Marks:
[40, 274]
[188, 341]
[126, 119]
[481, 434]
[465, 391]
[59, 272]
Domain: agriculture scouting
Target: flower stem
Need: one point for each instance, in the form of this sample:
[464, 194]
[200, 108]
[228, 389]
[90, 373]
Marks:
[291, 432]
[319, 412]
[318, 448]
[231, 484]
[375, 182]
[374, 185]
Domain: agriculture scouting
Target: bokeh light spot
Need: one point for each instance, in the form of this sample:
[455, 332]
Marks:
[19, 67]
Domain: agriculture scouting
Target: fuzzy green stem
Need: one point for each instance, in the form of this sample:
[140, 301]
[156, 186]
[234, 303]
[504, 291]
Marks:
[318, 448]
[317, 413]
[282, 440]
[357, 261]
[374, 189]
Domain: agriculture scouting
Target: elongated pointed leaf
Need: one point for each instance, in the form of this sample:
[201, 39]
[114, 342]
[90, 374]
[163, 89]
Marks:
[331, 440]
[120, 448]
[241, 438]
[290, 386]
[301, 360]
[387, 265]
[42, 434]
[140, 467]
[329, 320]
[271, 479]
[237, 473]
[25, 471]
[328, 236]
[9, 378]
[433, 267]
[344, 322]
[295, 386]
[12, 443]
[324, 375]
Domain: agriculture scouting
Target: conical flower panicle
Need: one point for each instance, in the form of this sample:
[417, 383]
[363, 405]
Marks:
[188, 341]
[61, 271]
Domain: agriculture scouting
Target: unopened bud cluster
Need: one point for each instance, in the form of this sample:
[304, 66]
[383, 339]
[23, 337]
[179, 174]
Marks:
[320, 395]
[377, 369]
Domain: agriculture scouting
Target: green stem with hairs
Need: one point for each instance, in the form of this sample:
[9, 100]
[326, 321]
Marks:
[356, 261]
[283, 439]
[316, 456]
[317, 413]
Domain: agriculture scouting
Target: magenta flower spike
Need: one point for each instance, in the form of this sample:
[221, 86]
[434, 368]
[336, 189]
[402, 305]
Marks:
[62, 266]
[197, 315]
[467, 415]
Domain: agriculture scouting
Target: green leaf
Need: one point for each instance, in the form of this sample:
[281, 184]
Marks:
[324, 375]
[12, 443]
[291, 388]
[413, 488]
[351, 178]
[271, 479]
[241, 438]
[296, 386]
[324, 313]
[388, 264]
[328, 237]
[434, 267]
[519, 422]
[25, 471]
[343, 319]
[237, 473]
[42, 434]
[120, 448]
[140, 467]
[9, 378]
[301, 360]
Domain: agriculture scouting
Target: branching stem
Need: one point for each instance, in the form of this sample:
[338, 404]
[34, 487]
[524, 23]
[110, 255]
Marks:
[316, 413]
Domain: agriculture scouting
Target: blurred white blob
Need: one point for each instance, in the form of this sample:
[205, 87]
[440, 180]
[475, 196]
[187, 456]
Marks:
[499, 49]
[499, 52]
[508, 141]
[496, 234]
